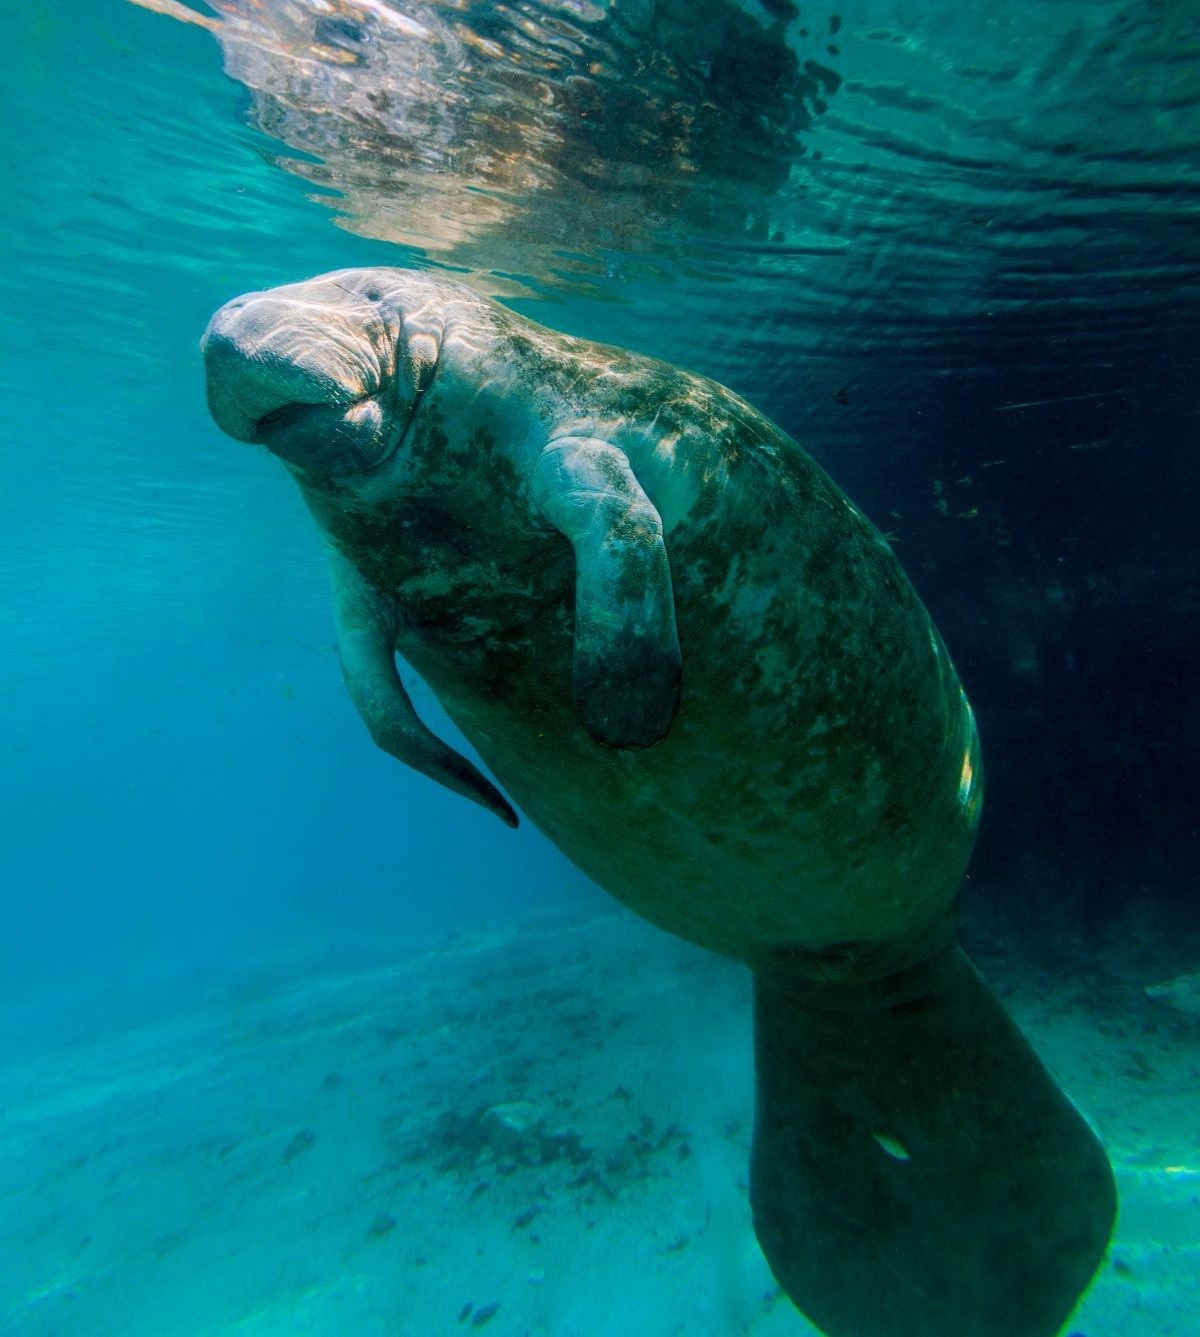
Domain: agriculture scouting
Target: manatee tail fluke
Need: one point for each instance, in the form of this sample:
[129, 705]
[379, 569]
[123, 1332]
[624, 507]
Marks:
[916, 1171]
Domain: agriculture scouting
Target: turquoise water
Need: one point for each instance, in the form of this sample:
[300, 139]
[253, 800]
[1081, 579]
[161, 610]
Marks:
[953, 253]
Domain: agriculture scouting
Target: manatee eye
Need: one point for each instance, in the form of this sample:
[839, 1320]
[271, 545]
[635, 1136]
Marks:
[373, 294]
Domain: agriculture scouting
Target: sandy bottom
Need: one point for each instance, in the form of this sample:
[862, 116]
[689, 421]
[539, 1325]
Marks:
[538, 1130]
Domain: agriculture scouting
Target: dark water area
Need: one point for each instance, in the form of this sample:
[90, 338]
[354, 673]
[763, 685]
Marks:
[953, 250]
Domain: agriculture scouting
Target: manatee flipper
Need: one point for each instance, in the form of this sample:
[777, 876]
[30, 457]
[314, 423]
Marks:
[916, 1172]
[626, 667]
[366, 632]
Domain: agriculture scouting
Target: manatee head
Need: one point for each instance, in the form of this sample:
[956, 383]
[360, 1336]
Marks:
[326, 374]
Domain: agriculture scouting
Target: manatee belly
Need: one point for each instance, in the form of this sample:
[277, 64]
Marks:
[819, 786]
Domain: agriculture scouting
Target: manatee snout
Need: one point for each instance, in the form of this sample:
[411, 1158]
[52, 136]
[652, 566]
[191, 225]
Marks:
[311, 381]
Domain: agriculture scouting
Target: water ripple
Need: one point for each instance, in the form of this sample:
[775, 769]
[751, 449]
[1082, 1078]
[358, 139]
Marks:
[938, 156]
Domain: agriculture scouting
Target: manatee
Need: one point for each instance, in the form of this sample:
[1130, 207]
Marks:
[700, 671]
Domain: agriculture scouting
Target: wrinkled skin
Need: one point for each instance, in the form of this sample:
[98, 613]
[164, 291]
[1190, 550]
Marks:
[701, 672]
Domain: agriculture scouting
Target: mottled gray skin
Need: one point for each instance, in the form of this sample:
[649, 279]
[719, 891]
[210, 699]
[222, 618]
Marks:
[676, 644]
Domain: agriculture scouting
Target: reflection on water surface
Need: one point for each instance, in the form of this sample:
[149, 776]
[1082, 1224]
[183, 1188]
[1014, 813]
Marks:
[881, 150]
